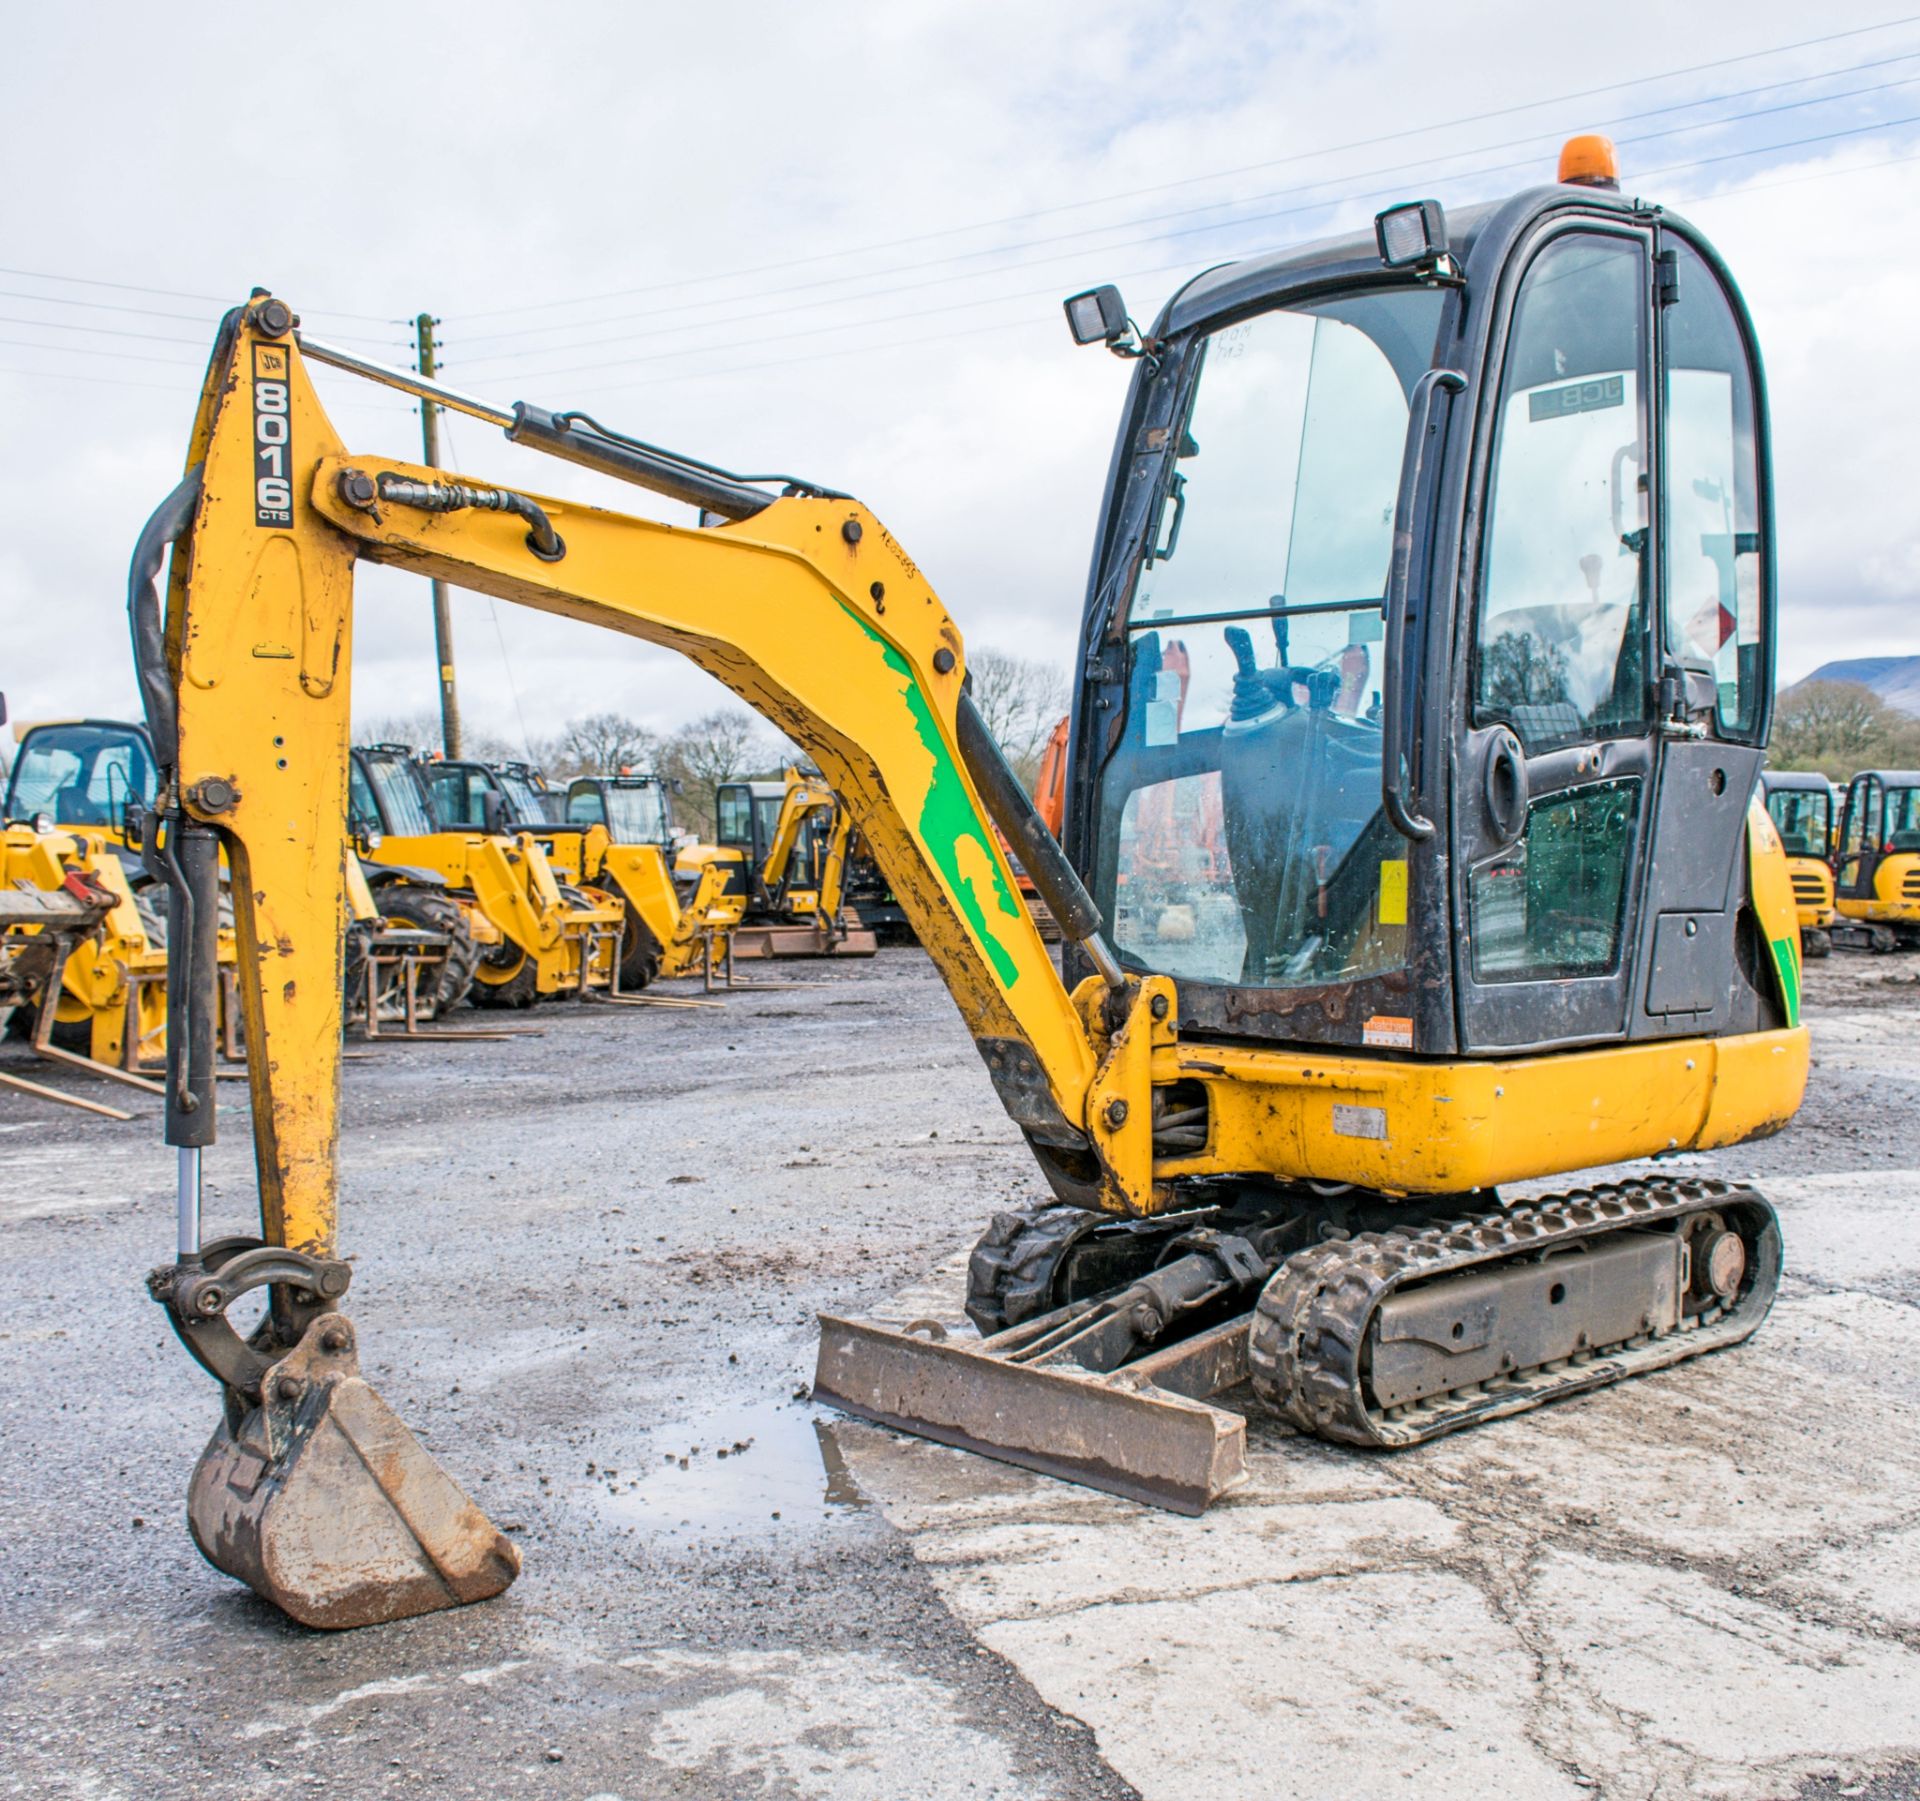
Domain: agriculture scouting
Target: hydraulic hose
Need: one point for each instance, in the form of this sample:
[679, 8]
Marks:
[455, 497]
[147, 619]
[1011, 808]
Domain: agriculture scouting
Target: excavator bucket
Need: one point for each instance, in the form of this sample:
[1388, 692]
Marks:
[321, 1500]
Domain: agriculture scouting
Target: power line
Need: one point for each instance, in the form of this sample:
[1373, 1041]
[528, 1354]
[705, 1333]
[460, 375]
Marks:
[1215, 175]
[1004, 326]
[1158, 237]
[96, 381]
[1162, 268]
[220, 300]
[1244, 200]
[118, 356]
[101, 331]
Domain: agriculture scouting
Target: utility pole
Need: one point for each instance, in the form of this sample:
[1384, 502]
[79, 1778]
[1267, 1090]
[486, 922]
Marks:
[442, 613]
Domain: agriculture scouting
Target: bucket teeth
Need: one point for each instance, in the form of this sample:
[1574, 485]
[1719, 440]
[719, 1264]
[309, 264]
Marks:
[323, 1502]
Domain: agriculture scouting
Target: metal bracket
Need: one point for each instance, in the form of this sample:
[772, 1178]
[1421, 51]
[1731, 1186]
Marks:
[197, 1292]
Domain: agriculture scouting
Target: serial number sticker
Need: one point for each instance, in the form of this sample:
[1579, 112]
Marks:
[1360, 1122]
[1389, 1032]
[272, 437]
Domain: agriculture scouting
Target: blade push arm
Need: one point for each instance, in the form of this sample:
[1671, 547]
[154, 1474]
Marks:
[809, 610]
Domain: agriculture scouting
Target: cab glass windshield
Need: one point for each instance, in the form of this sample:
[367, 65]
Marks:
[1804, 817]
[1241, 836]
[524, 800]
[638, 814]
[81, 775]
[402, 804]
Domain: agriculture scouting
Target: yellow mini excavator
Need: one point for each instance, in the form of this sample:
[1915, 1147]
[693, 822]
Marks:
[1462, 530]
[1800, 805]
[789, 841]
[1876, 862]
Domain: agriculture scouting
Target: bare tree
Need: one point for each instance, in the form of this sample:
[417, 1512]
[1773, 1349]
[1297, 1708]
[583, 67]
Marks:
[727, 745]
[421, 732]
[601, 744]
[1021, 699]
[1838, 728]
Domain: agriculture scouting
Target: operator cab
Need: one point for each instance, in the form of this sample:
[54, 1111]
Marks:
[386, 795]
[1428, 650]
[633, 808]
[82, 773]
[747, 819]
[1801, 807]
[1877, 854]
[488, 797]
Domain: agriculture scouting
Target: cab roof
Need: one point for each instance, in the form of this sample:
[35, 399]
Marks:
[1796, 779]
[1356, 256]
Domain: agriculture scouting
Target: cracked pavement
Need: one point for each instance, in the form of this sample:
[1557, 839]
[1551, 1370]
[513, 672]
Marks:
[589, 1262]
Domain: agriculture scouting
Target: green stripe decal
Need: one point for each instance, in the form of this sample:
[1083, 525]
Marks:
[949, 820]
[1786, 959]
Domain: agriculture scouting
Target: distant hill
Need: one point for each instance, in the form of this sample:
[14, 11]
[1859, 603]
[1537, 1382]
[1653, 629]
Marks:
[1895, 679]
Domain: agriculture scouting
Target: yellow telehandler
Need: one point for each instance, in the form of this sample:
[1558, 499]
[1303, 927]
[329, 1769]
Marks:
[534, 936]
[1479, 684]
[91, 783]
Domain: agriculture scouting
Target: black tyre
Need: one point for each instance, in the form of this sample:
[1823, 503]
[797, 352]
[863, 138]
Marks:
[1817, 943]
[432, 910]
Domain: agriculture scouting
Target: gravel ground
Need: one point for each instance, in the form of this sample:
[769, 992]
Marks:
[589, 1260]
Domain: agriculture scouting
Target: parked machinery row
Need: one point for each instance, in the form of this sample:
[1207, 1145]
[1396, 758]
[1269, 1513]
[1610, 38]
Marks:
[467, 883]
[1854, 855]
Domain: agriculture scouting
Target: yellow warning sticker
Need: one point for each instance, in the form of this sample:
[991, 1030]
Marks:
[1393, 893]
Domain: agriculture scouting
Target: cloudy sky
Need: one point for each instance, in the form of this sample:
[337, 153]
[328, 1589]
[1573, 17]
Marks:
[833, 239]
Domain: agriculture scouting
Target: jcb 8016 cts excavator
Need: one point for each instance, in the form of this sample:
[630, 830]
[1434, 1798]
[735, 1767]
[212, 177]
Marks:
[1463, 530]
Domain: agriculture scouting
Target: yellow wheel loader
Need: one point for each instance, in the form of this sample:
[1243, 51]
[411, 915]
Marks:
[790, 840]
[535, 938]
[1801, 808]
[1876, 862]
[1496, 630]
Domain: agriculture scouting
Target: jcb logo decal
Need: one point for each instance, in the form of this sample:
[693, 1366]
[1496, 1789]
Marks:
[272, 438]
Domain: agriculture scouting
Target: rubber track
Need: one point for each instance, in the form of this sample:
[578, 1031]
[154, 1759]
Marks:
[1309, 1332]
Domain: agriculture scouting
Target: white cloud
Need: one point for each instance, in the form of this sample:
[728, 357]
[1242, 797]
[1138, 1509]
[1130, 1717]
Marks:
[516, 155]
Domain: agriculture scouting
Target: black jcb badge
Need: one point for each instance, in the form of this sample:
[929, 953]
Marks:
[272, 438]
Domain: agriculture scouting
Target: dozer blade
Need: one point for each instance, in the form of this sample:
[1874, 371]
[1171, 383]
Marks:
[1137, 1432]
[325, 1504]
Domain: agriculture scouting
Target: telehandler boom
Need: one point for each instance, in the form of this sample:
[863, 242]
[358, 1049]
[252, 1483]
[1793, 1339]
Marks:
[1513, 578]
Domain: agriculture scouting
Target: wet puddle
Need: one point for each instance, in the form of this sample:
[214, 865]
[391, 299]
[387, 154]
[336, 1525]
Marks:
[738, 1471]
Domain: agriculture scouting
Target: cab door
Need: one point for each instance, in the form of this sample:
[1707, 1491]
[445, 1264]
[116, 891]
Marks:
[1702, 960]
[1862, 831]
[1556, 772]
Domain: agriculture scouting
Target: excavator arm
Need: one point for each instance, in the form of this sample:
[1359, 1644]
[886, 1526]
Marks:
[809, 610]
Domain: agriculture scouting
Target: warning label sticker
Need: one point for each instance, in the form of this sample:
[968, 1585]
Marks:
[1388, 1032]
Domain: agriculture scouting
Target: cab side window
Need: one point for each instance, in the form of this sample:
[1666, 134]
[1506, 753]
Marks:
[1562, 625]
[1715, 593]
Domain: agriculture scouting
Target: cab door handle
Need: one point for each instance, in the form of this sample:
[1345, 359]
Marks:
[1504, 787]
